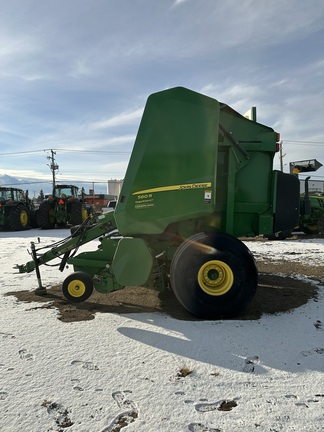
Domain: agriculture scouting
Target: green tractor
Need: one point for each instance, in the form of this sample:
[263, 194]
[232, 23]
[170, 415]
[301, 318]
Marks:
[311, 217]
[17, 211]
[313, 223]
[311, 211]
[200, 176]
[63, 207]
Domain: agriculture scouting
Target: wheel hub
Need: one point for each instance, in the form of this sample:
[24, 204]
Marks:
[76, 288]
[51, 216]
[215, 278]
[23, 218]
[84, 214]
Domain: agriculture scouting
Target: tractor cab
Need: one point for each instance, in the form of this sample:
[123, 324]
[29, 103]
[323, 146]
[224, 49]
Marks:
[65, 191]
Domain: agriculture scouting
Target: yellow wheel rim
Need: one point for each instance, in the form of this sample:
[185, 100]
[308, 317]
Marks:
[76, 288]
[84, 214]
[215, 278]
[312, 227]
[51, 216]
[24, 218]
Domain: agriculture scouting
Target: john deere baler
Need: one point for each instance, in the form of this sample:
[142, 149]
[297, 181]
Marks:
[200, 176]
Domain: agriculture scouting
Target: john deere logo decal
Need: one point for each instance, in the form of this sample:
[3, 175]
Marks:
[175, 187]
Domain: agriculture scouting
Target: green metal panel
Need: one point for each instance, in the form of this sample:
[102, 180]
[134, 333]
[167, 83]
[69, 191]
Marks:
[172, 169]
[132, 263]
[244, 186]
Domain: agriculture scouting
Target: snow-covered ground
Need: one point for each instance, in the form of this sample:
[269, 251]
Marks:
[128, 372]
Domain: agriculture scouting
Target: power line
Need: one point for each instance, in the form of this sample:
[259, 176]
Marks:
[303, 142]
[92, 151]
[28, 183]
[50, 182]
[32, 152]
[22, 152]
[64, 151]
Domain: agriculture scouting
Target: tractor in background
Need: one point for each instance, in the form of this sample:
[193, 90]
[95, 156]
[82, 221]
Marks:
[311, 205]
[311, 218]
[313, 222]
[311, 211]
[63, 207]
[17, 210]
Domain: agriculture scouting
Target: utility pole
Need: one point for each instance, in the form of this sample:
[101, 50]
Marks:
[53, 166]
[281, 156]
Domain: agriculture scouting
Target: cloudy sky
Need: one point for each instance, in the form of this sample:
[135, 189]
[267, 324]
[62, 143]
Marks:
[75, 75]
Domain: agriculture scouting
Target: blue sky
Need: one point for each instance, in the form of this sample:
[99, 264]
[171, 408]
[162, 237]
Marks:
[75, 75]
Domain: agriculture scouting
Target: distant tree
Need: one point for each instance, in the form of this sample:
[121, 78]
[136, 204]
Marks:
[40, 197]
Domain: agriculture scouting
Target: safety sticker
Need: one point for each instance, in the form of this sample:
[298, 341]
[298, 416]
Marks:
[207, 196]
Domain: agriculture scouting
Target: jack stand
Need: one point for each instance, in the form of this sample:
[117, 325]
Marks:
[40, 290]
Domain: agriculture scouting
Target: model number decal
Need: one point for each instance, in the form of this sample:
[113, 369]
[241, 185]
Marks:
[144, 196]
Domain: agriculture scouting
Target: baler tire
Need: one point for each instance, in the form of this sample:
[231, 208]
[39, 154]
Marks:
[77, 287]
[213, 275]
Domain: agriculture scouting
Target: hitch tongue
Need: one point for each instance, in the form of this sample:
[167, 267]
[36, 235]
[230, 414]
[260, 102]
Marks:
[40, 290]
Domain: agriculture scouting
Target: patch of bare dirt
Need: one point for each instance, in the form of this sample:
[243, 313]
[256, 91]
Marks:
[277, 292]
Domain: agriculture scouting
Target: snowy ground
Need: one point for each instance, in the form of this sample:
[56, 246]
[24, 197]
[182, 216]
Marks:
[128, 372]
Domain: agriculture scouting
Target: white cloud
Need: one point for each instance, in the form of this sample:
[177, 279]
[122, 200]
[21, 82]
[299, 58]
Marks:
[67, 68]
[124, 118]
[17, 55]
[177, 2]
[80, 68]
[239, 96]
[25, 173]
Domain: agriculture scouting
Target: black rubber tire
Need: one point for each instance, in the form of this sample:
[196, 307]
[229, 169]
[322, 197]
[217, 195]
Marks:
[76, 213]
[197, 252]
[61, 224]
[45, 216]
[33, 218]
[18, 218]
[282, 235]
[310, 229]
[7, 209]
[77, 287]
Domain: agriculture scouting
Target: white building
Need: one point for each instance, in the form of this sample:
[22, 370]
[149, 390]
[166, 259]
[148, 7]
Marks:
[114, 187]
